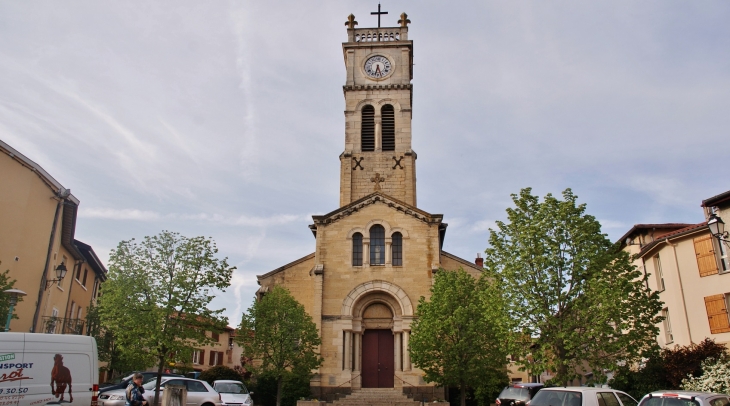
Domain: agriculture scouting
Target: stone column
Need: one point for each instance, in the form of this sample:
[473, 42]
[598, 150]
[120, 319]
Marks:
[366, 251]
[356, 355]
[406, 353]
[347, 351]
[398, 347]
[378, 131]
[388, 252]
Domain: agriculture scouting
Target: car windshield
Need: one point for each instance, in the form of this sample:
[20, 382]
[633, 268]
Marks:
[557, 398]
[151, 383]
[511, 392]
[230, 387]
[668, 401]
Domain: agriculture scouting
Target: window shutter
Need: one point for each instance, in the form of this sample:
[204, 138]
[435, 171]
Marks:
[388, 127]
[705, 256]
[717, 314]
[201, 361]
[220, 358]
[367, 129]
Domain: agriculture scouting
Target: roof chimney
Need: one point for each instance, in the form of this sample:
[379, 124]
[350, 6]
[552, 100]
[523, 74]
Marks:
[479, 261]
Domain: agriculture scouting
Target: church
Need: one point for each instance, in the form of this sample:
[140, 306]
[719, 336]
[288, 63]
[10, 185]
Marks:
[377, 253]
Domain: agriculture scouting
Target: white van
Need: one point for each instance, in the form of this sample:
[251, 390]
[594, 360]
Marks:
[48, 369]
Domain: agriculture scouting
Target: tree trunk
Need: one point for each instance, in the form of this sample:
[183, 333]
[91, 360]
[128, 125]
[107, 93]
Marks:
[159, 379]
[562, 367]
[462, 393]
[279, 390]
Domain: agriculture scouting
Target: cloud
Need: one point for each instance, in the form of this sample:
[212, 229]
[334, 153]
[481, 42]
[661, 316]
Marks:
[146, 215]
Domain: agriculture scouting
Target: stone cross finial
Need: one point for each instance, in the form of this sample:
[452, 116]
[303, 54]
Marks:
[377, 179]
[351, 23]
[404, 21]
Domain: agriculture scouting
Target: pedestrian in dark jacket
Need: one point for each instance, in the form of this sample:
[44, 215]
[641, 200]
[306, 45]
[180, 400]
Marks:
[135, 390]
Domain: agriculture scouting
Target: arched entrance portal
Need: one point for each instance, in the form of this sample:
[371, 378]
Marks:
[376, 333]
[378, 355]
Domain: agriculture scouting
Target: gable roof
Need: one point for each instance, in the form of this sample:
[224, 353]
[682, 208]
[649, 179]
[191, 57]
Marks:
[715, 200]
[660, 226]
[462, 261]
[377, 197]
[92, 259]
[285, 267]
[691, 229]
[52, 183]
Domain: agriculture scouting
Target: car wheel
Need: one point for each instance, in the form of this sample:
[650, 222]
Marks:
[207, 404]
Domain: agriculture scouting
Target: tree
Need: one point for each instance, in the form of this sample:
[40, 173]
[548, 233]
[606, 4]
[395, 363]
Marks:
[667, 368]
[5, 284]
[459, 334]
[156, 298]
[575, 296]
[715, 376]
[278, 331]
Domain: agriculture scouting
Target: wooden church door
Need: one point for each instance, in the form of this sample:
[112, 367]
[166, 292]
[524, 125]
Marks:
[377, 359]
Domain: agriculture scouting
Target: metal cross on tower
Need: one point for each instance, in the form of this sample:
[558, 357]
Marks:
[378, 13]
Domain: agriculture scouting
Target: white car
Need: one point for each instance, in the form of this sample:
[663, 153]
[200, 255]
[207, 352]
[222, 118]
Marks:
[200, 393]
[233, 393]
[581, 396]
[684, 398]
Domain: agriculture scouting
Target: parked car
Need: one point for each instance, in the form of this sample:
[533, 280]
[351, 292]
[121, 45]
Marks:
[123, 382]
[582, 396]
[233, 392]
[200, 393]
[518, 394]
[684, 398]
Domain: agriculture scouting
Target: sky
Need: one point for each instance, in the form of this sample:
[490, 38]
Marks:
[225, 118]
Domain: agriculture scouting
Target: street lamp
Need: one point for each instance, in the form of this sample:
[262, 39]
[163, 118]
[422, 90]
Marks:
[60, 274]
[14, 295]
[717, 227]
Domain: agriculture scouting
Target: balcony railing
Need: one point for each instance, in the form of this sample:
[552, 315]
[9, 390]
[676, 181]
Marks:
[378, 34]
[58, 325]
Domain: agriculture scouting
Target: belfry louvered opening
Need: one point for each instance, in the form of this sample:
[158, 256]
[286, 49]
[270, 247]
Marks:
[367, 132]
[388, 116]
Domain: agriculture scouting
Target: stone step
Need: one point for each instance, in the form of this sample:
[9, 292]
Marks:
[376, 397]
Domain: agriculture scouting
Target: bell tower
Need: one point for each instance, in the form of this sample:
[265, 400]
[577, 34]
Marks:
[378, 101]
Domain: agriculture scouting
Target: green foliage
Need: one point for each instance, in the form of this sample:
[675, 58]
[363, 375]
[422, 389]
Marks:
[666, 369]
[294, 387]
[220, 372]
[575, 296]
[459, 334]
[155, 301]
[278, 331]
[6, 283]
[715, 376]
[117, 362]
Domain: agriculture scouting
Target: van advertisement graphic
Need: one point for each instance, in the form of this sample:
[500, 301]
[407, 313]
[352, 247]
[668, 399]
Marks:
[44, 378]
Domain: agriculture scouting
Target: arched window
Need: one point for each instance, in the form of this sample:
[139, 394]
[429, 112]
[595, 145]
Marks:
[367, 129]
[388, 117]
[397, 248]
[357, 249]
[377, 245]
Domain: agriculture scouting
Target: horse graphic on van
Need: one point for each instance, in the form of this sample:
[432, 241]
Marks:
[62, 377]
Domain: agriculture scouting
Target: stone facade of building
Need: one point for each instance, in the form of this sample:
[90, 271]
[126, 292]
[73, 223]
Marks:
[375, 255]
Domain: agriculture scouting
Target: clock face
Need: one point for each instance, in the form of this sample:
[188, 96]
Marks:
[377, 67]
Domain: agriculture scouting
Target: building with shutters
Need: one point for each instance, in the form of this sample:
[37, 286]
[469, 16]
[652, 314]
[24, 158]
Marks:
[376, 254]
[38, 223]
[690, 269]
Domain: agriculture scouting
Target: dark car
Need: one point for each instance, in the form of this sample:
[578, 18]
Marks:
[518, 394]
[123, 382]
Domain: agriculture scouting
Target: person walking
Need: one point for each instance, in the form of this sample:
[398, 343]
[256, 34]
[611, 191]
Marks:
[134, 392]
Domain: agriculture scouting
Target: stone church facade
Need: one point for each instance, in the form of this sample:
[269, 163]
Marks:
[376, 254]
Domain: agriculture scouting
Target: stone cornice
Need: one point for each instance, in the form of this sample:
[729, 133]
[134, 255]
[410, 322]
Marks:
[347, 88]
[377, 197]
